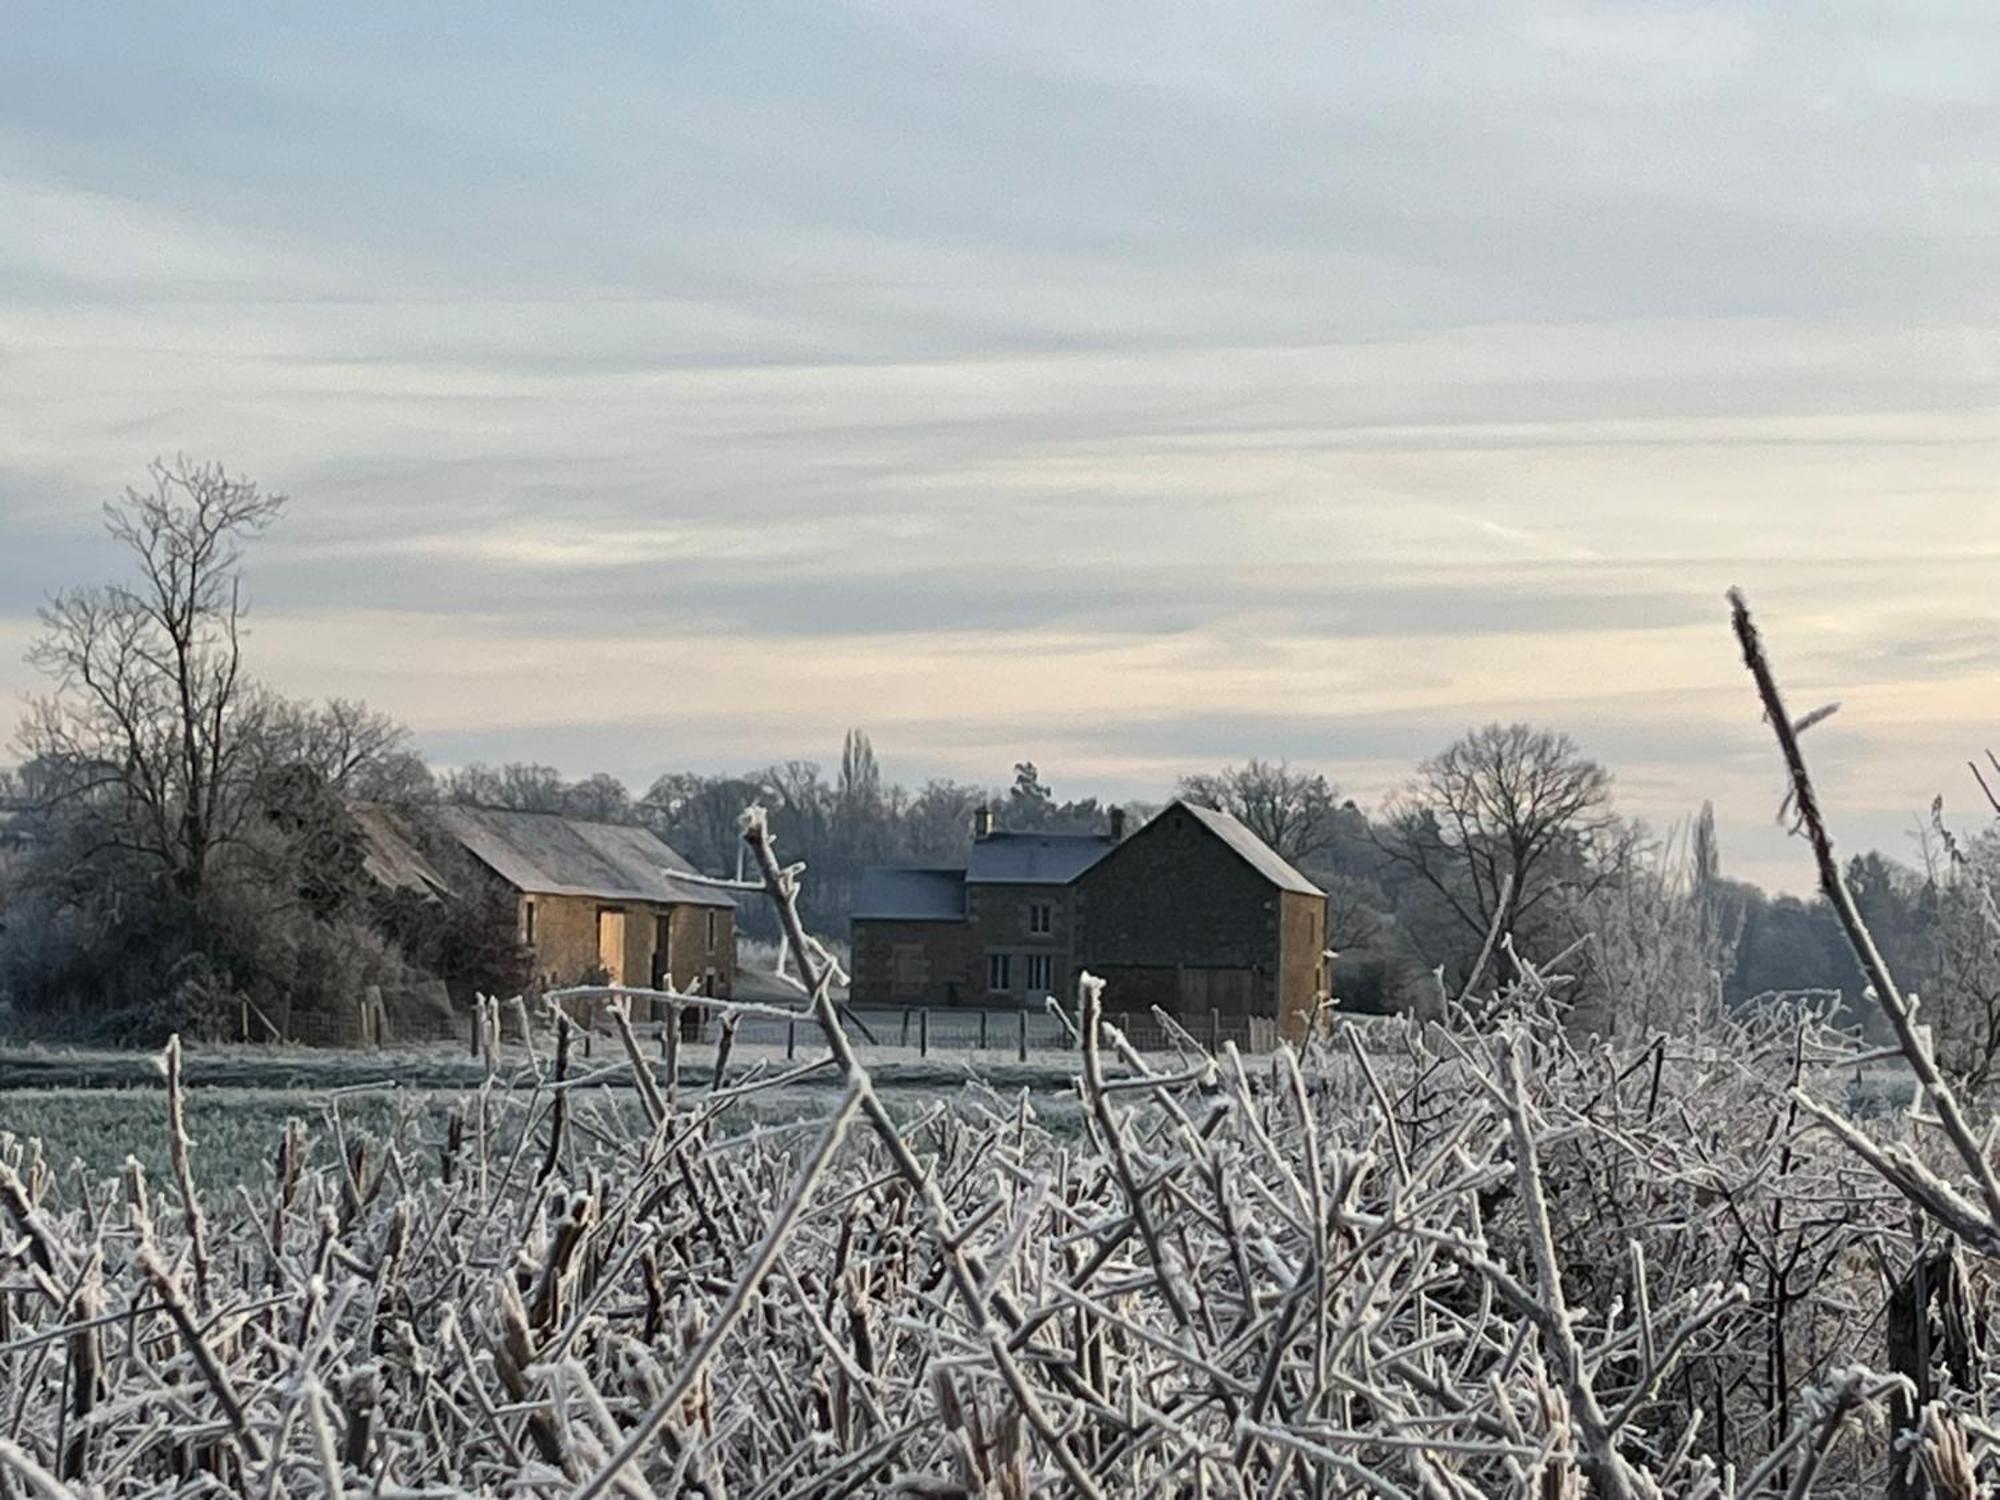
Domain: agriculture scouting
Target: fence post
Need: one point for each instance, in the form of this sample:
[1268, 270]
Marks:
[1021, 1052]
[670, 1050]
[474, 1037]
[982, 1028]
[903, 1040]
[923, 1033]
[1214, 1030]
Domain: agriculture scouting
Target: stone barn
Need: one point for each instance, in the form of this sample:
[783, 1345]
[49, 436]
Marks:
[593, 898]
[1196, 914]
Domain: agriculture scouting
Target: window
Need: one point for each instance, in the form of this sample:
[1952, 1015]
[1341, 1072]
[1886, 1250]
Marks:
[999, 971]
[711, 932]
[528, 923]
[1040, 919]
[1041, 971]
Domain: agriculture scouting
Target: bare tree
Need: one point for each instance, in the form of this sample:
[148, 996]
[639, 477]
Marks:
[518, 785]
[1961, 998]
[1500, 824]
[937, 822]
[1297, 813]
[354, 750]
[150, 705]
[698, 815]
[598, 798]
[1654, 949]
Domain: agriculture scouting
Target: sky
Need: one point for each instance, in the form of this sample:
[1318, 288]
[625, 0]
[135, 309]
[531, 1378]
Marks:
[1131, 389]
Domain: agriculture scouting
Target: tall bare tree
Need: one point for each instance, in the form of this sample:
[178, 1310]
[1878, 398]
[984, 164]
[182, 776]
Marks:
[150, 708]
[1499, 824]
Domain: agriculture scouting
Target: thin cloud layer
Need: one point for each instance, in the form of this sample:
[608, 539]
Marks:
[681, 387]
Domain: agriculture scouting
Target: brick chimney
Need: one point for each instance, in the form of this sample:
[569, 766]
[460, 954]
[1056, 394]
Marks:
[982, 823]
[1117, 825]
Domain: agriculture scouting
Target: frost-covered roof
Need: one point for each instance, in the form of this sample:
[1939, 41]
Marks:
[897, 895]
[545, 854]
[1261, 856]
[1035, 858]
[389, 853]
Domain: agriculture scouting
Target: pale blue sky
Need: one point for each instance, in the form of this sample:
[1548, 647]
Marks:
[1132, 389]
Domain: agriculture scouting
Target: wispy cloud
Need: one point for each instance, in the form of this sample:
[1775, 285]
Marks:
[685, 385]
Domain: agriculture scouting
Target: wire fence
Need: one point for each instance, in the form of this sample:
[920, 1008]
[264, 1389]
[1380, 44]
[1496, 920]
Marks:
[949, 1031]
[955, 1030]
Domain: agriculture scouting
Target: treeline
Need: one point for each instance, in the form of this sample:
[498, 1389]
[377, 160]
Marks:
[181, 845]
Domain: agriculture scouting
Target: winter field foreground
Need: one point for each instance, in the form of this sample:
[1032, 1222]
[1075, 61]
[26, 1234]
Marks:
[90, 1109]
[1485, 1261]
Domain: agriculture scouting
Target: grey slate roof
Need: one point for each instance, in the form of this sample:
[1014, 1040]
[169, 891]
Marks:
[1035, 858]
[1262, 857]
[545, 854]
[895, 895]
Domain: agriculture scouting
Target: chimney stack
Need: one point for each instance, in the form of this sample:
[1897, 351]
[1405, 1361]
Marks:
[982, 823]
[1117, 825]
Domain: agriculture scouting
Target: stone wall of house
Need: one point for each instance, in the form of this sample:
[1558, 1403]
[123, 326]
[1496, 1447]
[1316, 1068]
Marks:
[565, 941]
[913, 963]
[1172, 917]
[1176, 918]
[563, 937]
[701, 943]
[1001, 919]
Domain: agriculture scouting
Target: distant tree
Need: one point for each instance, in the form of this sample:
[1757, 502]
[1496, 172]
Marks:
[1497, 828]
[860, 773]
[698, 816]
[1787, 945]
[1296, 812]
[357, 752]
[1355, 912]
[1030, 803]
[937, 821]
[146, 726]
[1653, 949]
[1960, 978]
[518, 786]
[597, 798]
[526, 786]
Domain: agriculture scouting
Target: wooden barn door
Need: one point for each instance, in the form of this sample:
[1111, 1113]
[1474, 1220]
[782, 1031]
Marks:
[611, 942]
[1230, 991]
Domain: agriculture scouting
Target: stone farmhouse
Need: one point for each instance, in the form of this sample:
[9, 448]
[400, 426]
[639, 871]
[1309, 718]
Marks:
[595, 899]
[1193, 913]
